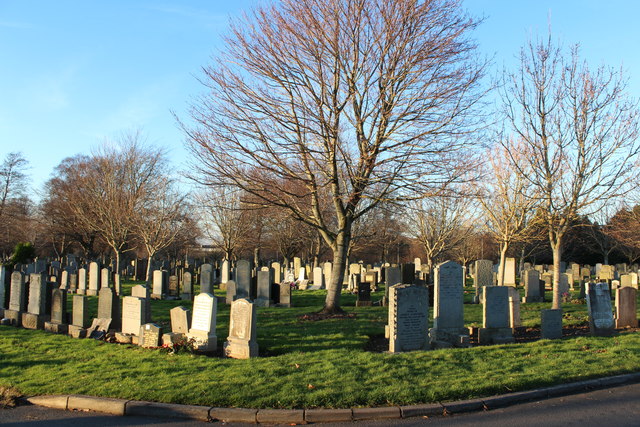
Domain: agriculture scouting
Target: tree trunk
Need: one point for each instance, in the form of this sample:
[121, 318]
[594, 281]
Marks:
[503, 261]
[606, 258]
[148, 274]
[117, 261]
[334, 288]
[557, 257]
[256, 258]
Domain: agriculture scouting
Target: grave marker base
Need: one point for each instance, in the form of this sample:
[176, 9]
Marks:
[33, 321]
[14, 316]
[56, 328]
[77, 331]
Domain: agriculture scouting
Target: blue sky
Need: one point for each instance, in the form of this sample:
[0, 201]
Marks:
[74, 73]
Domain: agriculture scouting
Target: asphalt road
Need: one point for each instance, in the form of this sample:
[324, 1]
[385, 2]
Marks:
[617, 406]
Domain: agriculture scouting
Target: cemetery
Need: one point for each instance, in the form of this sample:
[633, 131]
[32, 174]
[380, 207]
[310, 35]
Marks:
[222, 348]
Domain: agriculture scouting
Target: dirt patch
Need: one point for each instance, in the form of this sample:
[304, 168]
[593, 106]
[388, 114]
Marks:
[314, 317]
[9, 397]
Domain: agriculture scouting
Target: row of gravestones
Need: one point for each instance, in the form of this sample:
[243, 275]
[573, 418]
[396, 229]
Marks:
[408, 323]
[133, 321]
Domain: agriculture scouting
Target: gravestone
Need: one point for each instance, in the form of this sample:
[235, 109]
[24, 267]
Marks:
[510, 272]
[318, 278]
[105, 278]
[285, 294]
[564, 283]
[483, 276]
[626, 307]
[243, 279]
[408, 272]
[79, 317]
[224, 272]
[231, 292]
[187, 286]
[264, 289]
[531, 279]
[133, 315]
[73, 282]
[276, 271]
[551, 324]
[585, 273]
[17, 299]
[159, 288]
[93, 279]
[142, 291]
[109, 307]
[634, 279]
[242, 340]
[203, 322]
[408, 322]
[495, 313]
[448, 299]
[82, 281]
[364, 293]
[297, 265]
[625, 280]
[64, 279]
[327, 270]
[392, 277]
[601, 321]
[149, 335]
[36, 307]
[173, 286]
[514, 308]
[58, 322]
[180, 320]
[606, 272]
[206, 279]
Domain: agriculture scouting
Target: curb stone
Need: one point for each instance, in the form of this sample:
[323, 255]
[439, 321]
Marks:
[98, 404]
[302, 416]
[167, 410]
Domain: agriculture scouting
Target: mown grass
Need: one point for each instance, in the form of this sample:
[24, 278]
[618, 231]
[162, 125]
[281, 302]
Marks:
[307, 364]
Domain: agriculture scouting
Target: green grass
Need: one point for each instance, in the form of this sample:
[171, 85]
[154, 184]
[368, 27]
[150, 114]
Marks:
[307, 364]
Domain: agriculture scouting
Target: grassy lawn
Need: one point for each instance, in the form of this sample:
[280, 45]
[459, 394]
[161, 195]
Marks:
[307, 364]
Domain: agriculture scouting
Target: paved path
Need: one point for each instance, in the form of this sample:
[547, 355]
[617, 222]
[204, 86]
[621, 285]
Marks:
[617, 406]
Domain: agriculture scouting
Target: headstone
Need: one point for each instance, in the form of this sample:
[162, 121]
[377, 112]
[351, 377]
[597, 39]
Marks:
[18, 294]
[585, 273]
[37, 294]
[564, 283]
[448, 299]
[297, 264]
[551, 324]
[408, 272]
[180, 320]
[133, 315]
[159, 285]
[625, 280]
[408, 318]
[285, 294]
[82, 281]
[634, 279]
[243, 279]
[80, 315]
[206, 279]
[224, 273]
[203, 322]
[495, 313]
[174, 289]
[105, 278]
[73, 282]
[599, 307]
[318, 277]
[626, 307]
[64, 279]
[264, 289]
[93, 279]
[510, 272]
[514, 308]
[242, 340]
[109, 307]
[142, 291]
[364, 293]
[187, 286]
[58, 322]
[417, 262]
[531, 279]
[231, 292]
[606, 272]
[276, 271]
[149, 335]
[483, 276]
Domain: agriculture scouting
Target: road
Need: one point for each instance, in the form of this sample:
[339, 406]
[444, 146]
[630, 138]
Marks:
[617, 406]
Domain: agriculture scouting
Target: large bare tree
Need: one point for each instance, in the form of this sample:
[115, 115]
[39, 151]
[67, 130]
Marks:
[579, 132]
[356, 101]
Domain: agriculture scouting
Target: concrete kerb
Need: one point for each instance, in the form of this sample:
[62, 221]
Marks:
[302, 416]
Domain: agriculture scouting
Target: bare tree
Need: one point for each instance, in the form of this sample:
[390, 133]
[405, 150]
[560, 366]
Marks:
[579, 134]
[13, 179]
[439, 224]
[600, 236]
[356, 101]
[624, 226]
[159, 219]
[225, 221]
[507, 200]
[112, 187]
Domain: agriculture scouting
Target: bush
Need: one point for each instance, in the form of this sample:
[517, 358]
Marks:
[22, 253]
